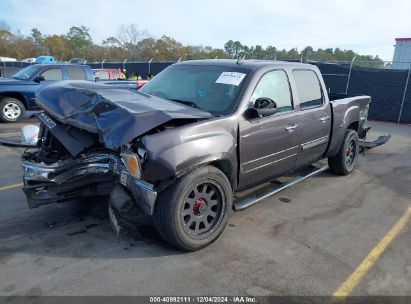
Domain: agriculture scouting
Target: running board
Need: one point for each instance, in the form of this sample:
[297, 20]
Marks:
[254, 198]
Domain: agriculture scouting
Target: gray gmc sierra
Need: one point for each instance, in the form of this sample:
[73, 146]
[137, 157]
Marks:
[194, 136]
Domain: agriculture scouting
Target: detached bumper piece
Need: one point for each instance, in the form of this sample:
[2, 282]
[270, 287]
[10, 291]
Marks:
[91, 176]
[367, 145]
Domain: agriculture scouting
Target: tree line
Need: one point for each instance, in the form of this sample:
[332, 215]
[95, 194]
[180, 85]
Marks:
[134, 44]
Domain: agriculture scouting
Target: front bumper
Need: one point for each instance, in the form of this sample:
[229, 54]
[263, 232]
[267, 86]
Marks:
[61, 173]
[143, 193]
[94, 175]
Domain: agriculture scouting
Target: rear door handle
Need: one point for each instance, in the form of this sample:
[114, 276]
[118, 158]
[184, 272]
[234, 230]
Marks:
[291, 128]
[325, 118]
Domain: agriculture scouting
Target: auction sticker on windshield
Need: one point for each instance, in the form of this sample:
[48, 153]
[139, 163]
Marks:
[233, 78]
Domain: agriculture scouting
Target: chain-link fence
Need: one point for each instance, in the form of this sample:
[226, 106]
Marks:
[390, 89]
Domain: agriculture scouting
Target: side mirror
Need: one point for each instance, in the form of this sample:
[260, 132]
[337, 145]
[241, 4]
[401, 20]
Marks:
[263, 106]
[39, 78]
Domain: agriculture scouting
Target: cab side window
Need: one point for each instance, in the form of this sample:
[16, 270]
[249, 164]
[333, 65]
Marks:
[274, 85]
[308, 89]
[76, 73]
[52, 74]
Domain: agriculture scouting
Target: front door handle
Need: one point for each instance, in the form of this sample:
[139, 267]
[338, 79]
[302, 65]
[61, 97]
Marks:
[325, 118]
[291, 128]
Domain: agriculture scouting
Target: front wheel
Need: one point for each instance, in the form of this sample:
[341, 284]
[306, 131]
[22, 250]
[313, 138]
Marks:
[343, 163]
[193, 212]
[11, 109]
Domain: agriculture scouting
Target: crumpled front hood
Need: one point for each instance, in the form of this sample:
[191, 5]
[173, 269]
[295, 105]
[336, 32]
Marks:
[117, 115]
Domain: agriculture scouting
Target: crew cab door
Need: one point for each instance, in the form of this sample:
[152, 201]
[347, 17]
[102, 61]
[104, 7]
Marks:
[315, 117]
[269, 145]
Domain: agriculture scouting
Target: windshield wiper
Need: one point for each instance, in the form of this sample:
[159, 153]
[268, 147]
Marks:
[186, 102]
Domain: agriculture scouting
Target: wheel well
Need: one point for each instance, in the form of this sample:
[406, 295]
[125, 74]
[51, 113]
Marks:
[14, 95]
[226, 167]
[354, 126]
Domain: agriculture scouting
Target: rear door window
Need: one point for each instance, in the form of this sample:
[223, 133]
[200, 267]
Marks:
[76, 73]
[52, 74]
[308, 89]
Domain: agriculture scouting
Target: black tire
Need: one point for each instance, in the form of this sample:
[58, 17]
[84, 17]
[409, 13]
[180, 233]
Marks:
[343, 163]
[11, 109]
[202, 198]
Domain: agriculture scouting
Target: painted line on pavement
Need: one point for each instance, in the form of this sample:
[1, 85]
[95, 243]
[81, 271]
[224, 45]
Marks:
[11, 187]
[362, 269]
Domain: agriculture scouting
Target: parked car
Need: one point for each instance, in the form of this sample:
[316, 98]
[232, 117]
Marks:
[7, 59]
[30, 60]
[77, 61]
[128, 84]
[45, 59]
[17, 94]
[107, 74]
[179, 149]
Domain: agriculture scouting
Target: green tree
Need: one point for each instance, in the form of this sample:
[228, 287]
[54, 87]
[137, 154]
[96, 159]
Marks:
[38, 40]
[6, 40]
[146, 48]
[229, 48]
[168, 48]
[79, 40]
[58, 46]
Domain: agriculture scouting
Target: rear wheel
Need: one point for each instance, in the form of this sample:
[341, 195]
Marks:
[194, 211]
[343, 163]
[11, 109]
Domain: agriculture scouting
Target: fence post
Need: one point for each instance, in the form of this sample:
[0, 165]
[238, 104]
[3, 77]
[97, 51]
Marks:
[124, 64]
[102, 64]
[405, 93]
[149, 66]
[349, 75]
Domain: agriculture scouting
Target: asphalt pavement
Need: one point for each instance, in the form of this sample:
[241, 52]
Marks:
[306, 240]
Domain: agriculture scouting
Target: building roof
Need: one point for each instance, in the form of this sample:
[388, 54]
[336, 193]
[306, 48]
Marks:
[402, 39]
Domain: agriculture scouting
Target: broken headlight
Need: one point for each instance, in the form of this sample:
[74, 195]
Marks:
[132, 163]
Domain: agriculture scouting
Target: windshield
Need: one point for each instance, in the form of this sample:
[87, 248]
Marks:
[214, 89]
[26, 73]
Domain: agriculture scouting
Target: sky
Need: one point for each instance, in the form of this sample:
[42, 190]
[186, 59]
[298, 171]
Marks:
[367, 27]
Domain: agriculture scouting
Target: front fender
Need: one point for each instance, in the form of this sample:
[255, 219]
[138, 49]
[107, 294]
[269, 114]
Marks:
[182, 154]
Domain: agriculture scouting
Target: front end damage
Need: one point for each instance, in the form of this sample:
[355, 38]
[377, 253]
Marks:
[90, 144]
[69, 178]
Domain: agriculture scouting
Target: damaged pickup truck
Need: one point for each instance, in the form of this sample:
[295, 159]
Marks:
[196, 135]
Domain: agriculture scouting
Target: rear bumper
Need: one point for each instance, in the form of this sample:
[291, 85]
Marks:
[94, 175]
